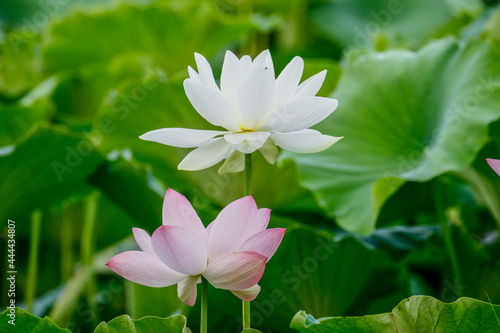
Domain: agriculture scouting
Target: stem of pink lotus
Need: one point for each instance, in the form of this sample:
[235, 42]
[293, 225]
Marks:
[247, 191]
[204, 305]
[31, 283]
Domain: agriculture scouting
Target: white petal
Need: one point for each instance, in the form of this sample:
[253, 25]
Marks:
[211, 105]
[255, 96]
[231, 76]
[305, 141]
[187, 291]
[300, 114]
[287, 81]
[264, 58]
[311, 86]
[181, 137]
[206, 75]
[247, 294]
[234, 163]
[245, 65]
[269, 151]
[247, 142]
[206, 156]
[194, 75]
[144, 268]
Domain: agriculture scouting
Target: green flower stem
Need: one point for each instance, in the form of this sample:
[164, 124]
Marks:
[36, 223]
[87, 246]
[67, 244]
[246, 315]
[247, 189]
[446, 231]
[249, 40]
[293, 34]
[204, 305]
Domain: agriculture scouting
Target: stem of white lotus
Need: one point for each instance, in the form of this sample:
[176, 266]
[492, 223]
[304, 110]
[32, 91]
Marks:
[247, 191]
[31, 283]
[248, 44]
[204, 305]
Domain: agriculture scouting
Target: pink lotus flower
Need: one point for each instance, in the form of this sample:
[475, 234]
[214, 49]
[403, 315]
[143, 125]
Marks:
[231, 253]
[494, 164]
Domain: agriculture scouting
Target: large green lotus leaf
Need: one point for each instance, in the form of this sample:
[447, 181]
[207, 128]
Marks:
[401, 238]
[31, 15]
[124, 324]
[404, 116]
[48, 165]
[155, 104]
[492, 27]
[16, 120]
[361, 24]
[25, 322]
[318, 273]
[79, 94]
[134, 188]
[415, 314]
[155, 30]
[20, 63]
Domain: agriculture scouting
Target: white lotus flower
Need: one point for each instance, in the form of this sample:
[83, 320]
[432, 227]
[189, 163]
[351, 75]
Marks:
[257, 111]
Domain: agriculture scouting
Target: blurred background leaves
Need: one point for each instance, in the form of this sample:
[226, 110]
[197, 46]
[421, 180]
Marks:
[385, 214]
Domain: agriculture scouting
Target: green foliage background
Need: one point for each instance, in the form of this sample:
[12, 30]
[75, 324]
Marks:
[404, 205]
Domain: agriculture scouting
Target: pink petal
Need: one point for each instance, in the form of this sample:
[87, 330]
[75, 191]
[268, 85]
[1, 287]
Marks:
[180, 248]
[144, 268]
[143, 239]
[494, 164]
[187, 291]
[247, 294]
[265, 242]
[235, 223]
[236, 271]
[262, 219]
[260, 223]
[178, 211]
